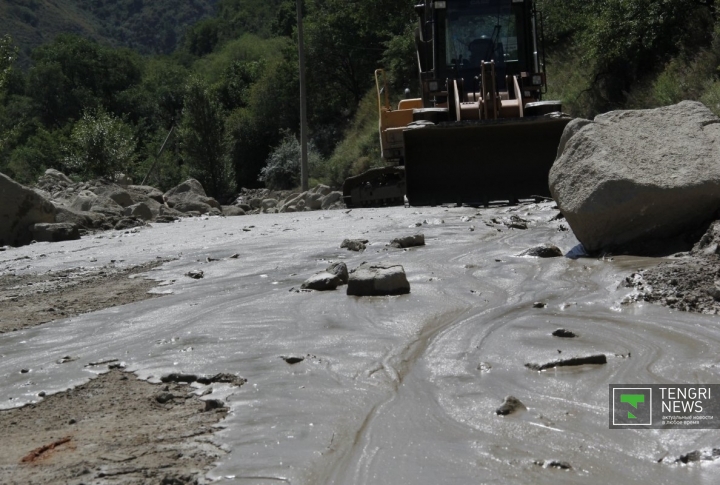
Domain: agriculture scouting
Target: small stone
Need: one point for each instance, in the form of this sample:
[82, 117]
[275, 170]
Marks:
[354, 244]
[340, 270]
[41, 393]
[24, 371]
[539, 304]
[293, 360]
[164, 397]
[543, 251]
[195, 274]
[562, 333]
[509, 406]
[72, 421]
[211, 404]
[323, 281]
[408, 241]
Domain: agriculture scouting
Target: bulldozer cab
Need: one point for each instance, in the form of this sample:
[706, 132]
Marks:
[457, 36]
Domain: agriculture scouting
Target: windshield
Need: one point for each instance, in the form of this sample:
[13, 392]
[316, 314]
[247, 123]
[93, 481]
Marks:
[480, 30]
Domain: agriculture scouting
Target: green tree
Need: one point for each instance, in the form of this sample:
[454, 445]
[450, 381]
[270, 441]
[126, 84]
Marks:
[8, 55]
[201, 136]
[101, 145]
[282, 170]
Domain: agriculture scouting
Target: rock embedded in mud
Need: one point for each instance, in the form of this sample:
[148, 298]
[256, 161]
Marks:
[539, 304]
[510, 406]
[44, 232]
[292, 360]
[630, 177]
[354, 244]
[378, 280]
[561, 465]
[340, 270]
[546, 250]
[164, 397]
[323, 281]
[408, 241]
[597, 359]
[195, 274]
[562, 333]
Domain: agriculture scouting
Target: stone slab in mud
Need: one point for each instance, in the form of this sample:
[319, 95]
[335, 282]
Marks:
[390, 389]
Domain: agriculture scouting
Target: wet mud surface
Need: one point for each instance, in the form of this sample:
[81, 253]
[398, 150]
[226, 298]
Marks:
[27, 300]
[114, 429]
[397, 389]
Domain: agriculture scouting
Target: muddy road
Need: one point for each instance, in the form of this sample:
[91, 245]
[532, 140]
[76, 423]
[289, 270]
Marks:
[384, 390]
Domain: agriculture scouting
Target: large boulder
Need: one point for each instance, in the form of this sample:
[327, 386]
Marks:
[49, 232]
[378, 280]
[20, 208]
[632, 177]
[190, 196]
[140, 193]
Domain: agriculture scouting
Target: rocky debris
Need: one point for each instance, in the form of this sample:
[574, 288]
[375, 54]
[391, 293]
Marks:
[408, 241]
[114, 192]
[20, 208]
[321, 197]
[190, 196]
[695, 456]
[140, 211]
[688, 282]
[128, 223]
[546, 250]
[340, 270]
[510, 405]
[164, 397]
[560, 465]
[46, 232]
[323, 281]
[223, 377]
[630, 177]
[232, 210]
[539, 304]
[563, 333]
[596, 359]
[141, 192]
[292, 360]
[516, 222]
[195, 274]
[378, 280]
[354, 244]
[213, 404]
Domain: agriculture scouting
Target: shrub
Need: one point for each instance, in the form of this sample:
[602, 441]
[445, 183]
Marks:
[282, 170]
[100, 145]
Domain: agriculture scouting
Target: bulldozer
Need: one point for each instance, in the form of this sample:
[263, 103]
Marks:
[480, 132]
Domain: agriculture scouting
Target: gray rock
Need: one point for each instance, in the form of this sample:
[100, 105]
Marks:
[128, 223]
[408, 241]
[190, 196]
[58, 176]
[709, 243]
[327, 201]
[378, 279]
[141, 192]
[107, 207]
[122, 179]
[195, 274]
[510, 405]
[140, 210]
[321, 189]
[314, 201]
[546, 250]
[81, 219]
[629, 177]
[340, 270]
[190, 185]
[245, 207]
[232, 210]
[269, 204]
[354, 244]
[47, 232]
[116, 193]
[255, 203]
[20, 207]
[322, 282]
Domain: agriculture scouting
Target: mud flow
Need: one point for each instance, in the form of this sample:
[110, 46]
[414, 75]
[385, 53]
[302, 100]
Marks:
[380, 390]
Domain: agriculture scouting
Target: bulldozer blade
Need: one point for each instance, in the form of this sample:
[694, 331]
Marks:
[477, 162]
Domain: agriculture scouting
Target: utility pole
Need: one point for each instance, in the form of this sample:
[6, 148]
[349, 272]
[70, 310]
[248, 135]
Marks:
[303, 101]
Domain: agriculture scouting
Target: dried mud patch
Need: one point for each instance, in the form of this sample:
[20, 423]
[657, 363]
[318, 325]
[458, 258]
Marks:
[33, 299]
[687, 284]
[113, 429]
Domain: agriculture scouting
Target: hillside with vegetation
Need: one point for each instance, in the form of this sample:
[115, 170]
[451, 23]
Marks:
[148, 26]
[230, 88]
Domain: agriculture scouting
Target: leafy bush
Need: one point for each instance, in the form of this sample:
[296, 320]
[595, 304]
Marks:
[282, 171]
[100, 145]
